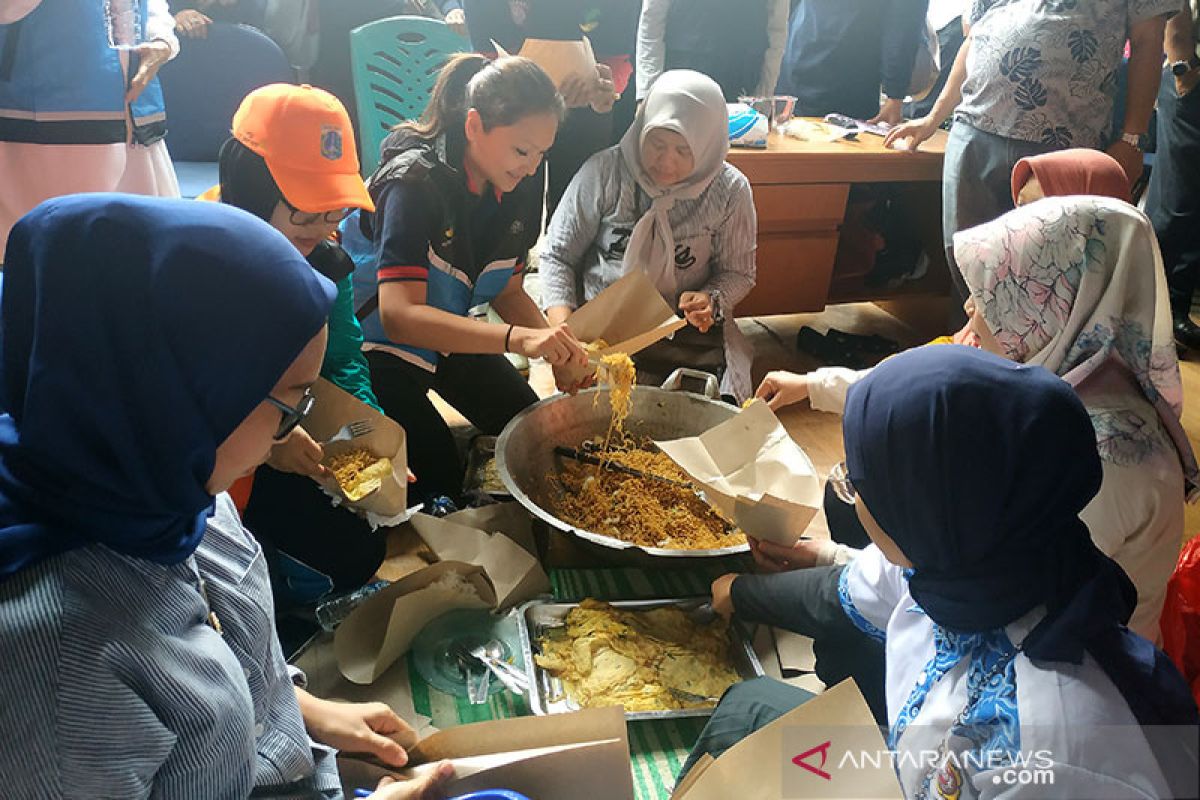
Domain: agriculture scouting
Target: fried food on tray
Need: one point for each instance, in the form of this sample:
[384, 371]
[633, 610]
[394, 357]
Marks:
[359, 472]
[641, 511]
[608, 656]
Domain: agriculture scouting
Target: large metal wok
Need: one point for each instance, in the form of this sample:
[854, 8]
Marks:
[525, 455]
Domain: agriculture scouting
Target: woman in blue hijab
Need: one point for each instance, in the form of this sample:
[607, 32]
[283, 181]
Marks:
[996, 610]
[140, 654]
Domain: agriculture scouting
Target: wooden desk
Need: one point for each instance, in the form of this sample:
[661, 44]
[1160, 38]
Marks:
[800, 192]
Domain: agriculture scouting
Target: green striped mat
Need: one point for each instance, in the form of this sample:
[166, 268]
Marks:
[657, 748]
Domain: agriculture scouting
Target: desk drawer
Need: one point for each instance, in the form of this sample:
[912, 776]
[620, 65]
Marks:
[794, 271]
[800, 207]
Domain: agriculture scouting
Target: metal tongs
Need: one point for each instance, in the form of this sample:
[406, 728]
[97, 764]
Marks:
[589, 458]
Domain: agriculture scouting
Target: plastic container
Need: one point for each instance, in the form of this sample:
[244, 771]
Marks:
[125, 25]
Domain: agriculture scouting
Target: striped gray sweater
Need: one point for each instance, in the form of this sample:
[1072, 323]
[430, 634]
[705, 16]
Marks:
[112, 685]
[715, 238]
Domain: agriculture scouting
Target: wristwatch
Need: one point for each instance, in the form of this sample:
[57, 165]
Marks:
[1133, 140]
[1181, 68]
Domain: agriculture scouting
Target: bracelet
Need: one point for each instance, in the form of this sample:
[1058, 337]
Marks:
[507, 338]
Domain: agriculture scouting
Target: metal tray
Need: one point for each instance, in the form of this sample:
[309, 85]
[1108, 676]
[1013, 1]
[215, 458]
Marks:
[547, 696]
[483, 450]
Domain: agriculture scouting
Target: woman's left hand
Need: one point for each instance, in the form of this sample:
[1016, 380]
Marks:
[151, 56]
[566, 383]
[371, 728]
[697, 309]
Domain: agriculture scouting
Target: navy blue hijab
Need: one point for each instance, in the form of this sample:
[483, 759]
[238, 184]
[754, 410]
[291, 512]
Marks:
[135, 335]
[978, 468]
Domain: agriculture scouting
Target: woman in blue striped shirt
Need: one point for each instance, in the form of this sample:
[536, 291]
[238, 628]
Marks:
[139, 654]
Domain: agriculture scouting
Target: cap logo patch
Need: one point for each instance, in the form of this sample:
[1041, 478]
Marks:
[331, 142]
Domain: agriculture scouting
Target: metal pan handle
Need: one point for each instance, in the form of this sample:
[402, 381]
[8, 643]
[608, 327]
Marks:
[674, 381]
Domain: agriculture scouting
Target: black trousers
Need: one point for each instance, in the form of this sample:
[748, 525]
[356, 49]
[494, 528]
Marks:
[486, 389]
[1173, 198]
[290, 514]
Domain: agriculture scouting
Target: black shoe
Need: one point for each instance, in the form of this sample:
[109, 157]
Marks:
[1187, 333]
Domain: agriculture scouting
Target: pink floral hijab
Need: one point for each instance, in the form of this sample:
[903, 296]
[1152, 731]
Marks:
[1071, 284]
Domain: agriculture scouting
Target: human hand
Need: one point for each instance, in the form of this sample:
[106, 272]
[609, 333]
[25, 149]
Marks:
[369, 728]
[915, 132]
[576, 91]
[1185, 83]
[604, 90]
[431, 787]
[771, 557]
[457, 20]
[151, 56]
[192, 24]
[781, 389]
[722, 594]
[697, 309]
[1130, 158]
[565, 380]
[299, 454]
[891, 113]
[557, 345]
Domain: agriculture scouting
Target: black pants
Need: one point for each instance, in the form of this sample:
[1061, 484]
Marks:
[583, 134]
[485, 389]
[291, 515]
[1173, 199]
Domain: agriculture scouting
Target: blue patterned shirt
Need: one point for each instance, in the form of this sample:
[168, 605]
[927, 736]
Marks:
[1046, 70]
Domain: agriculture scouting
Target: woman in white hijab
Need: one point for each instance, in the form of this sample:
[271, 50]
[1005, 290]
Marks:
[664, 201]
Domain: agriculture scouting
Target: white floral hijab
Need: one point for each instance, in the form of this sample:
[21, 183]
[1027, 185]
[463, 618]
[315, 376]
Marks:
[1069, 283]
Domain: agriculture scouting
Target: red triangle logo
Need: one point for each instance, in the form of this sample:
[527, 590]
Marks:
[801, 760]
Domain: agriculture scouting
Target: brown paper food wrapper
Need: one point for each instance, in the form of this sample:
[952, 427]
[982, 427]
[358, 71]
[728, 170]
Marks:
[754, 473]
[501, 571]
[560, 757]
[630, 315]
[840, 717]
[335, 408]
[561, 60]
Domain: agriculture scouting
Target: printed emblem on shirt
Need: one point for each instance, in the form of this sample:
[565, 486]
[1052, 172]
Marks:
[683, 257]
[331, 142]
[618, 245]
[517, 228]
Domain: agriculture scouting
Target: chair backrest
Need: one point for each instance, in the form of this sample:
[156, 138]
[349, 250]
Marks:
[204, 85]
[396, 62]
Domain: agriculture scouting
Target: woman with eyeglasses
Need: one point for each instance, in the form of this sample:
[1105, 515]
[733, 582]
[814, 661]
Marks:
[291, 162]
[1003, 624]
[152, 351]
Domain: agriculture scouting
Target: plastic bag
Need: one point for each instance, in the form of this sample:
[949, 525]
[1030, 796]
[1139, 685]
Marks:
[1180, 623]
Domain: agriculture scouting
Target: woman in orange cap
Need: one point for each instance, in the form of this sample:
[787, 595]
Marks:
[292, 162]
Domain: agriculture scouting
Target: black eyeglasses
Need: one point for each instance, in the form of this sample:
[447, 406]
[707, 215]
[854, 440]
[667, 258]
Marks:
[839, 479]
[301, 218]
[292, 416]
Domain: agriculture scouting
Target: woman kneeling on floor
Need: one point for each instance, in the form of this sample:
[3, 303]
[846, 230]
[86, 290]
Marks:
[998, 613]
[664, 201]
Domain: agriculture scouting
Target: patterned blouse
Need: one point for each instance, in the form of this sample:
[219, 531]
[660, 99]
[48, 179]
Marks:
[1046, 70]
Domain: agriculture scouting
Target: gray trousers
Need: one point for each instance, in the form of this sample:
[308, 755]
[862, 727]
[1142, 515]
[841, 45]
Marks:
[743, 709]
[1173, 199]
[977, 183]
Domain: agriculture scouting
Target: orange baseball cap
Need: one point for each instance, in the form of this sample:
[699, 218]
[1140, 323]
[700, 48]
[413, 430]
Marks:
[305, 136]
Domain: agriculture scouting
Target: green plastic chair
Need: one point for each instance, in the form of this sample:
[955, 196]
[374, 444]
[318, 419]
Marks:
[396, 61]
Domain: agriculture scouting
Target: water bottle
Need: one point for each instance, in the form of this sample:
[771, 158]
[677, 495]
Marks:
[124, 21]
[330, 614]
